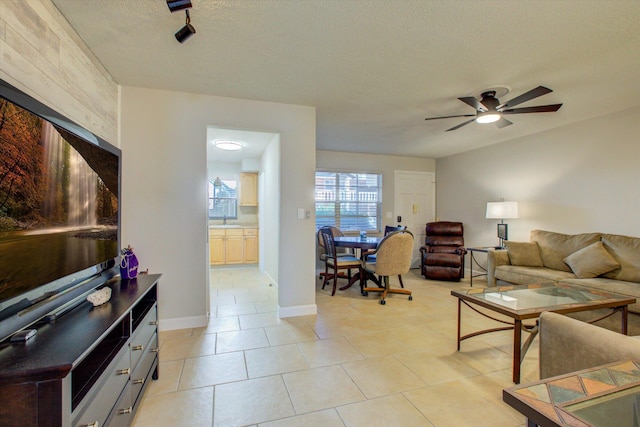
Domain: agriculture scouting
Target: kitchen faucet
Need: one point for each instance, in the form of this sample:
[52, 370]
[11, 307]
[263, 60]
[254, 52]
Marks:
[224, 220]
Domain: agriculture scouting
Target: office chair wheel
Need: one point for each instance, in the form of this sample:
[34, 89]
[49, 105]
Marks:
[410, 298]
[382, 302]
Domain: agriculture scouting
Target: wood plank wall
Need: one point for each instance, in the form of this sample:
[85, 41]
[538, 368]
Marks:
[42, 55]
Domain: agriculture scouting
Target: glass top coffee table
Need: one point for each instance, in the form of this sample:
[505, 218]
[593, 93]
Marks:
[522, 302]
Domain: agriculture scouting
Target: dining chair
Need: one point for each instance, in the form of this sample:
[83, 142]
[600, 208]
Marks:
[322, 253]
[371, 257]
[393, 257]
[336, 262]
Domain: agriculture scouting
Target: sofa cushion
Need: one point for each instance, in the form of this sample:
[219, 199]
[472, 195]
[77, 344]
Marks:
[519, 275]
[630, 289]
[555, 247]
[626, 251]
[524, 254]
[591, 261]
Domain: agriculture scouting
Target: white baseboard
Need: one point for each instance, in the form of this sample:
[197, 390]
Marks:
[298, 310]
[271, 279]
[182, 323]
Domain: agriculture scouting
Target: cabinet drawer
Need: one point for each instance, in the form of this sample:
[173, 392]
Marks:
[122, 411]
[141, 374]
[143, 334]
[219, 232]
[95, 407]
[234, 231]
[250, 231]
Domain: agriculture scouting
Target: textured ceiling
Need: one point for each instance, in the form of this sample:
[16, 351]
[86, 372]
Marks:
[375, 69]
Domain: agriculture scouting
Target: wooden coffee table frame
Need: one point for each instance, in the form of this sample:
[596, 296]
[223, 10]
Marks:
[618, 303]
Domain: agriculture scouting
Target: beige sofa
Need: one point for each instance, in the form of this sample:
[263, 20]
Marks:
[607, 262]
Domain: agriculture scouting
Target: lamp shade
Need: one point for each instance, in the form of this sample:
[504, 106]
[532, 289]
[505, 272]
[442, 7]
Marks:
[502, 210]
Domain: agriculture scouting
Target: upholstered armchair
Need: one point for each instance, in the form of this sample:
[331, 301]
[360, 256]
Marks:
[569, 345]
[442, 256]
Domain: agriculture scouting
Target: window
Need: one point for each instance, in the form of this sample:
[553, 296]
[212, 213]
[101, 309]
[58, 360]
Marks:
[223, 200]
[348, 200]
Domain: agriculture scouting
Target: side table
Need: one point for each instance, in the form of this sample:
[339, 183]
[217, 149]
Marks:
[472, 260]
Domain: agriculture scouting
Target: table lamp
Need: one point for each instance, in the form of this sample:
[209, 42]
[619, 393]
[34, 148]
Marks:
[502, 210]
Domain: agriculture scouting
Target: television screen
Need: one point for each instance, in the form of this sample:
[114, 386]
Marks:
[59, 189]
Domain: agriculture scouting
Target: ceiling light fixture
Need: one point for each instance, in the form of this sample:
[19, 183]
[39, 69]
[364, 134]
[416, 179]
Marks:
[175, 5]
[187, 31]
[228, 145]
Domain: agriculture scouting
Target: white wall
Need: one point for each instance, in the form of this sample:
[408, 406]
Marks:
[336, 161]
[582, 177]
[163, 138]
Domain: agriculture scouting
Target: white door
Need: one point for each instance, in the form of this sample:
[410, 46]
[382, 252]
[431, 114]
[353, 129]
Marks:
[415, 202]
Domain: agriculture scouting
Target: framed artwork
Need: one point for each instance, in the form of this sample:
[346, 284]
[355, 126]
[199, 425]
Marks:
[502, 231]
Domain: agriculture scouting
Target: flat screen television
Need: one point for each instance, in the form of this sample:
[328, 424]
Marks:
[59, 212]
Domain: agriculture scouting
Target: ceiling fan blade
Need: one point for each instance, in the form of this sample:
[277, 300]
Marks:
[503, 122]
[450, 117]
[527, 96]
[460, 125]
[538, 109]
[473, 102]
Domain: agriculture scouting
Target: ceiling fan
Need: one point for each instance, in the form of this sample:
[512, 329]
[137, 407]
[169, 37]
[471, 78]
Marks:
[490, 110]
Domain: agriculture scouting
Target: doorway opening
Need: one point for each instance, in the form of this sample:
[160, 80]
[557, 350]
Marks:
[240, 221]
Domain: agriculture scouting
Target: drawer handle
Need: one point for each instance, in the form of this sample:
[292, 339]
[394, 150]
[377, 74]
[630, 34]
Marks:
[153, 322]
[154, 350]
[126, 410]
[93, 424]
[139, 381]
[124, 371]
[137, 347]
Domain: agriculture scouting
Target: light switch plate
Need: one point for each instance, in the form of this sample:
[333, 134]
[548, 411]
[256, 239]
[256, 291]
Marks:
[300, 213]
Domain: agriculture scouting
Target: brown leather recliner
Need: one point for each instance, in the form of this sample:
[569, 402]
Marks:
[443, 253]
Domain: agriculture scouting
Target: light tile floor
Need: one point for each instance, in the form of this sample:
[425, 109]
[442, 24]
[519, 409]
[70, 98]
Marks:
[355, 363]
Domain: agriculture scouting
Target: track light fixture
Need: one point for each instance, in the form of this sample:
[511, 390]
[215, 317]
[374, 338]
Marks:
[187, 31]
[175, 5]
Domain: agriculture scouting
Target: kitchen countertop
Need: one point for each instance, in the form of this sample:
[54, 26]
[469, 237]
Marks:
[233, 226]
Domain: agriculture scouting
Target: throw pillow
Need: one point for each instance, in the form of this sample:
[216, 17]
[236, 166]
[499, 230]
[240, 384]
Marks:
[591, 261]
[555, 247]
[525, 254]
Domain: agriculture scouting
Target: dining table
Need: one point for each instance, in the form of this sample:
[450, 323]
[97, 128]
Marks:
[362, 245]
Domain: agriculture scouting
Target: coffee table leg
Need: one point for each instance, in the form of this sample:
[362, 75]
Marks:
[625, 319]
[517, 342]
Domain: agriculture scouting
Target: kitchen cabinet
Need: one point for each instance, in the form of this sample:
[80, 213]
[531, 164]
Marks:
[216, 246]
[250, 245]
[233, 245]
[248, 189]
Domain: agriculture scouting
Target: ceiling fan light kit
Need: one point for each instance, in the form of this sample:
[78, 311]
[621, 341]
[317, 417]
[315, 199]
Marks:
[488, 117]
[490, 110]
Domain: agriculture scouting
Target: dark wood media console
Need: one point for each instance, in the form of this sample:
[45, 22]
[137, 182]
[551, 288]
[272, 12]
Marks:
[89, 367]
